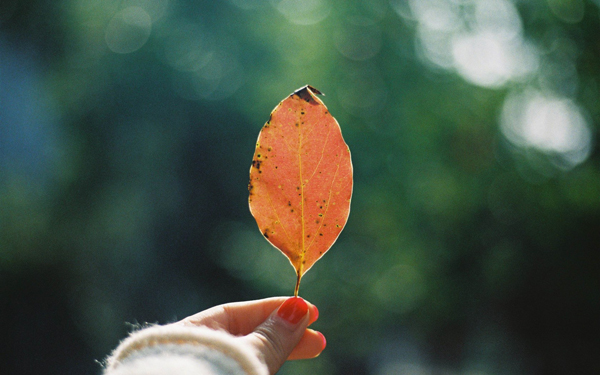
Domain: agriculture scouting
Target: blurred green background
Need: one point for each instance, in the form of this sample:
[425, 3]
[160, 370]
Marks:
[127, 129]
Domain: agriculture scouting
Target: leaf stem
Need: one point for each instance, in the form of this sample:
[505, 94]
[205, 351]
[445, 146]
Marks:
[297, 283]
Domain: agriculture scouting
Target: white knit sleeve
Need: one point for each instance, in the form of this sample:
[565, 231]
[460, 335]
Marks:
[173, 349]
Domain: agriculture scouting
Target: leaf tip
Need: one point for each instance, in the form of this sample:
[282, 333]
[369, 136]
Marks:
[303, 90]
[314, 90]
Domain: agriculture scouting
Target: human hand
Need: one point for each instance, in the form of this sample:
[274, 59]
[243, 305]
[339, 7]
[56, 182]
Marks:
[275, 328]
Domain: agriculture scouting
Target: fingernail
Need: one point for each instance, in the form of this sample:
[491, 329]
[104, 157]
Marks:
[323, 340]
[293, 310]
[314, 313]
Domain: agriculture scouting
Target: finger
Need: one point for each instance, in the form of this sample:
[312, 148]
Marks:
[278, 335]
[241, 318]
[311, 345]
[237, 318]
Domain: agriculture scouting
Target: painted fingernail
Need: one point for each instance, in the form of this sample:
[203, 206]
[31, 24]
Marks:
[293, 310]
[323, 340]
[314, 313]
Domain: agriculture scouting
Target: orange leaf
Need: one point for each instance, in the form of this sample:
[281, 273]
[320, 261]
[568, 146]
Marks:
[301, 180]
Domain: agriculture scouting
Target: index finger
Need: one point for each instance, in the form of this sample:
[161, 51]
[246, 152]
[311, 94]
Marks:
[241, 318]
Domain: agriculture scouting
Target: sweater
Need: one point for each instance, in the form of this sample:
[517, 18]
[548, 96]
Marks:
[183, 350]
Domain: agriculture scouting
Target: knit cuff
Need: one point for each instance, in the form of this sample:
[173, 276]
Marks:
[198, 342]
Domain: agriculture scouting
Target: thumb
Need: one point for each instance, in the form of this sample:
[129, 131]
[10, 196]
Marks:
[277, 336]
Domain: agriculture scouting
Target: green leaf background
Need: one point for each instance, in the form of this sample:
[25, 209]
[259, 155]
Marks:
[126, 129]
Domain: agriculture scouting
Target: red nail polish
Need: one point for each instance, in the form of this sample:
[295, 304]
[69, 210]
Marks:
[293, 310]
[314, 313]
[323, 340]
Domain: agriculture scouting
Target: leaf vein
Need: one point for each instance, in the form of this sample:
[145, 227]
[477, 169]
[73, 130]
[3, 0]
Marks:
[322, 155]
[303, 252]
[277, 216]
[328, 203]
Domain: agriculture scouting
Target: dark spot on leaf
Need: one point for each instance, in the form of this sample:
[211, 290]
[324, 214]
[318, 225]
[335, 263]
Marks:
[317, 221]
[320, 215]
[305, 89]
[266, 233]
[320, 234]
[292, 210]
[304, 94]
[289, 203]
[308, 236]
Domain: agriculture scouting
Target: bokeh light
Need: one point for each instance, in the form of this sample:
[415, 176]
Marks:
[550, 124]
[482, 40]
[128, 30]
[303, 12]
[358, 38]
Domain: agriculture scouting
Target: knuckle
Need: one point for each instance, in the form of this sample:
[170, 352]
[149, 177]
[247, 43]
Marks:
[271, 343]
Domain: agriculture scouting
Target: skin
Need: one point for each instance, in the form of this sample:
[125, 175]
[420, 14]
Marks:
[257, 326]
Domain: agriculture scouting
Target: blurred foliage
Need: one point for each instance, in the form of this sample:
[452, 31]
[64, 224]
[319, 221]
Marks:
[126, 134]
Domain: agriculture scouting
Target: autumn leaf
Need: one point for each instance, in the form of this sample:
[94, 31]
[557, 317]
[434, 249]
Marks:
[301, 180]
